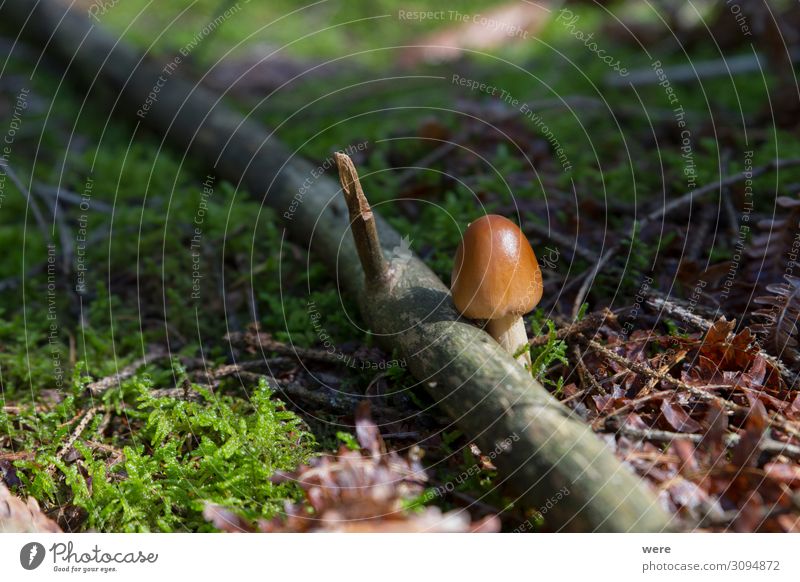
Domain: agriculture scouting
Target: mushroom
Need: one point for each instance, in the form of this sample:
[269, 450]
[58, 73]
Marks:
[496, 277]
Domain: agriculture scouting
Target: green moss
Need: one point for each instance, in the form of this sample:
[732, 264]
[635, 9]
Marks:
[178, 455]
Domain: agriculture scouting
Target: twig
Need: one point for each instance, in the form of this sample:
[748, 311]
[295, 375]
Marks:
[117, 455]
[178, 393]
[592, 321]
[63, 195]
[676, 310]
[588, 381]
[77, 432]
[627, 407]
[239, 367]
[649, 372]
[18, 456]
[588, 279]
[725, 67]
[267, 343]
[362, 222]
[64, 235]
[731, 439]
[562, 240]
[574, 102]
[100, 386]
[689, 197]
[426, 161]
[37, 213]
[339, 402]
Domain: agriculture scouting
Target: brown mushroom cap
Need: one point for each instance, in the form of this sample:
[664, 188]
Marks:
[495, 272]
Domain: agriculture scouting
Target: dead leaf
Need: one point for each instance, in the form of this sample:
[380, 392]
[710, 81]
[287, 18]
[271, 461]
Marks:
[745, 452]
[358, 491]
[17, 516]
[677, 417]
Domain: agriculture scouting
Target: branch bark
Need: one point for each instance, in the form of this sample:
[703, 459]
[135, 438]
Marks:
[487, 394]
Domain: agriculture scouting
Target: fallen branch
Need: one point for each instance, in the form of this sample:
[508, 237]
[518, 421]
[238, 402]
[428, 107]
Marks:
[486, 393]
[491, 395]
[695, 71]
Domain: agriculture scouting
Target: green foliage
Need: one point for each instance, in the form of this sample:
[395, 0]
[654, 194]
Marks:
[542, 357]
[179, 455]
[348, 440]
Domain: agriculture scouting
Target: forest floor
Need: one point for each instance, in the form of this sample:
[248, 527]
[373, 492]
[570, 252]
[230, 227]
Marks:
[134, 310]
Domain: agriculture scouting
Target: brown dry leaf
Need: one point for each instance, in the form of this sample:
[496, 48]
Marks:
[225, 520]
[721, 482]
[783, 473]
[677, 417]
[751, 514]
[746, 450]
[734, 354]
[17, 516]
[793, 411]
[358, 491]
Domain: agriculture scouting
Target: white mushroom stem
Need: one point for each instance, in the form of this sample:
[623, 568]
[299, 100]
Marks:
[509, 331]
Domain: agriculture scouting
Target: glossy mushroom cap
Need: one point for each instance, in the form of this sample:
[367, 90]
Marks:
[495, 273]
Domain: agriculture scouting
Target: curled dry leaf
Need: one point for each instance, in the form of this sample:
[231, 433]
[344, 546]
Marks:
[779, 318]
[677, 417]
[226, 520]
[17, 516]
[746, 451]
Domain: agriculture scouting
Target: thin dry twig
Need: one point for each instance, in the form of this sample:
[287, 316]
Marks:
[730, 440]
[117, 456]
[90, 414]
[362, 222]
[592, 321]
[100, 386]
[268, 344]
[674, 309]
[649, 372]
[561, 240]
[68, 197]
[661, 303]
[589, 276]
